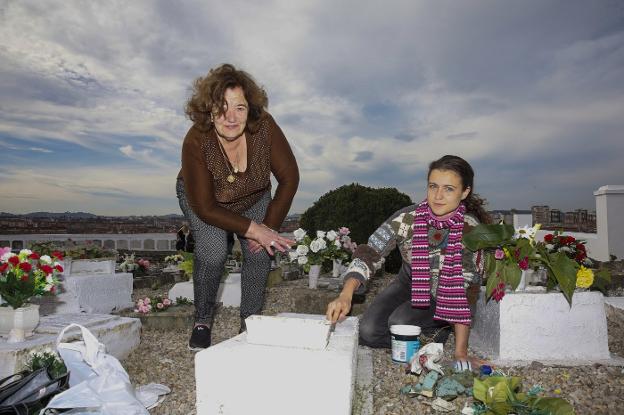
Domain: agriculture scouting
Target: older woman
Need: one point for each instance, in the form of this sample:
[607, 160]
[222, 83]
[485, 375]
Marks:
[224, 187]
[438, 280]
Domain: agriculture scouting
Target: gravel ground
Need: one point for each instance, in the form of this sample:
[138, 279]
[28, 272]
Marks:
[163, 358]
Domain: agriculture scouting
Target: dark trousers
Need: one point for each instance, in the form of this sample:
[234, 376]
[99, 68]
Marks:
[393, 306]
[212, 247]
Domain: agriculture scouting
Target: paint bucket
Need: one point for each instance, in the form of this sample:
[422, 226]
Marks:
[405, 342]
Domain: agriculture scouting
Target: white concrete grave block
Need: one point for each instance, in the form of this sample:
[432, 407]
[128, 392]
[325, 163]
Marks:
[120, 335]
[288, 332]
[525, 327]
[236, 377]
[89, 266]
[229, 290]
[100, 293]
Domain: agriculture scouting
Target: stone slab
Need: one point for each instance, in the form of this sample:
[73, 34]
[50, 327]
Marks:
[229, 293]
[101, 293]
[288, 332]
[615, 302]
[542, 327]
[235, 377]
[177, 317]
[120, 335]
[363, 393]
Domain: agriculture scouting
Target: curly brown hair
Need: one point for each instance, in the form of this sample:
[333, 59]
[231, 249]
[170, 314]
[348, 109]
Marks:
[208, 96]
[474, 203]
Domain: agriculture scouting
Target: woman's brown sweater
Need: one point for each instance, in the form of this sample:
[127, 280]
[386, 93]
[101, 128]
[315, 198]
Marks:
[220, 203]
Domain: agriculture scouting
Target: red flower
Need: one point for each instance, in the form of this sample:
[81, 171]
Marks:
[58, 268]
[580, 247]
[25, 266]
[570, 239]
[3, 267]
[34, 255]
[14, 260]
[58, 255]
[47, 269]
[24, 277]
[549, 238]
[524, 264]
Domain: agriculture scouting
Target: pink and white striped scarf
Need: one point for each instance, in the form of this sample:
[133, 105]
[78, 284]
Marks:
[451, 303]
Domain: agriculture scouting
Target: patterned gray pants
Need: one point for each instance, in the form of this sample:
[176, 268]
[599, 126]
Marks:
[211, 251]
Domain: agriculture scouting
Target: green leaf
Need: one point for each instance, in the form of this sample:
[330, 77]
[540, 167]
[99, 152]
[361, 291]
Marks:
[602, 280]
[564, 270]
[491, 283]
[487, 236]
[553, 406]
[512, 274]
[479, 389]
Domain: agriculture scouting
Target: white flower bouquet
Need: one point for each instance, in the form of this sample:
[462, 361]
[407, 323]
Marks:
[328, 245]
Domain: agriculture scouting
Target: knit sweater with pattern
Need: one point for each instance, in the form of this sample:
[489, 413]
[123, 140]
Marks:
[218, 202]
[397, 231]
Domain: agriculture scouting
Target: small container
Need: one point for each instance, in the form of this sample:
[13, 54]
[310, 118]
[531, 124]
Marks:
[405, 342]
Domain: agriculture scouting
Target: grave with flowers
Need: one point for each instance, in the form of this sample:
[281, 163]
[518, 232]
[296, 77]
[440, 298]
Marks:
[28, 276]
[560, 318]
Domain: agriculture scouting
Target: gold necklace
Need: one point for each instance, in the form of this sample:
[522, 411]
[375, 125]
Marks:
[231, 178]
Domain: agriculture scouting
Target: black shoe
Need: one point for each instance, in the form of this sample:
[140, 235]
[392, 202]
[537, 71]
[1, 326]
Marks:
[200, 338]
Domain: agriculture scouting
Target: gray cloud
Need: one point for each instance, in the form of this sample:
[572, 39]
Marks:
[529, 92]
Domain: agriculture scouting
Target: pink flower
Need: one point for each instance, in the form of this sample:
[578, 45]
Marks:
[5, 250]
[140, 302]
[344, 231]
[160, 306]
[166, 302]
[499, 254]
[147, 300]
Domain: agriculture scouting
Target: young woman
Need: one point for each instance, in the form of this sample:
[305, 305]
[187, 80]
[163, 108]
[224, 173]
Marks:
[438, 280]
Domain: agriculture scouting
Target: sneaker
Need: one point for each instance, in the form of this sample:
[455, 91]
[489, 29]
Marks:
[200, 338]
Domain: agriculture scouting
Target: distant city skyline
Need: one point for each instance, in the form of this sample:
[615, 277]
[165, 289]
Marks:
[530, 93]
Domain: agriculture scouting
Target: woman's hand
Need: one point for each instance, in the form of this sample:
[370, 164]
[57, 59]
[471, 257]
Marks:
[338, 309]
[267, 238]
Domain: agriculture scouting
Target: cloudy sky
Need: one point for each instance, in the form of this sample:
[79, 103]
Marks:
[530, 92]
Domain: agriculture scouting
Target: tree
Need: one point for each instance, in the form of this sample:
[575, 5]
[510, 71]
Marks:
[362, 209]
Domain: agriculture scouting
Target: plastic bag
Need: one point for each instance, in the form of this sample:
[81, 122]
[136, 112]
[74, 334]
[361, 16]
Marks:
[98, 382]
[427, 357]
[28, 392]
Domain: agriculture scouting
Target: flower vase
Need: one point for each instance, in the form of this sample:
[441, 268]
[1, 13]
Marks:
[337, 267]
[313, 276]
[18, 324]
[523, 281]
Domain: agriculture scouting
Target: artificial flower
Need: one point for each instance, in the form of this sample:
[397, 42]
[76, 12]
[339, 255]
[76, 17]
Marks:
[299, 234]
[331, 235]
[584, 277]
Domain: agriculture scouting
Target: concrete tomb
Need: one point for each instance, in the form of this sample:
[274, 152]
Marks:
[120, 335]
[289, 364]
[525, 327]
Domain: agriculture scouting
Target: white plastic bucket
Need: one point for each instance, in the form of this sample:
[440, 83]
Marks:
[405, 342]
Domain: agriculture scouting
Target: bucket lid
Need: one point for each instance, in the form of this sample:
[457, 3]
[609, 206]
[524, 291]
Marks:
[405, 330]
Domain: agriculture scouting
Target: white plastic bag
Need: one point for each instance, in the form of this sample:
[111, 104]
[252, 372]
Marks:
[98, 382]
[433, 352]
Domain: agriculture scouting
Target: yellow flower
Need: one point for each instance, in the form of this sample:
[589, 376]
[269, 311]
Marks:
[584, 277]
